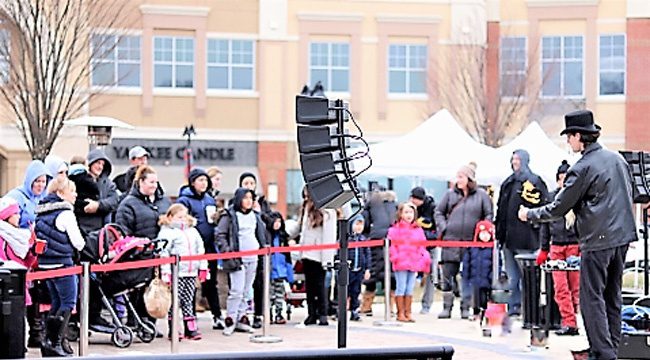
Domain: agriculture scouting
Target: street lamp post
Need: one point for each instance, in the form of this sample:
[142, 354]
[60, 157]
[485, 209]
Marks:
[100, 129]
[188, 132]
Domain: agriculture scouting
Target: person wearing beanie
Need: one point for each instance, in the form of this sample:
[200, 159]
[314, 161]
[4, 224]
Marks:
[196, 198]
[558, 240]
[598, 188]
[426, 207]
[457, 214]
[522, 187]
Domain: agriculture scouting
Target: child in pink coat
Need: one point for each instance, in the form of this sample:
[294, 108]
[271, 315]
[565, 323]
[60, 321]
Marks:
[407, 258]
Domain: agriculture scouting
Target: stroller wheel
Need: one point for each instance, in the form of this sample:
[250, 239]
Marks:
[122, 337]
[73, 332]
[147, 333]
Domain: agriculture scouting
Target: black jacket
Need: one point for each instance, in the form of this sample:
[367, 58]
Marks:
[227, 238]
[379, 214]
[457, 216]
[138, 215]
[555, 232]
[108, 197]
[599, 190]
[510, 231]
[426, 217]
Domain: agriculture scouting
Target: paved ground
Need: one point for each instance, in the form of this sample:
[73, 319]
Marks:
[465, 336]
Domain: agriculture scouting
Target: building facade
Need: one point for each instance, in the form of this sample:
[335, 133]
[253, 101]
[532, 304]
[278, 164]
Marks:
[232, 68]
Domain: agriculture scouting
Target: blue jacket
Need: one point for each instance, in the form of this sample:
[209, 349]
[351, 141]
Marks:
[59, 249]
[26, 199]
[477, 267]
[280, 267]
[360, 258]
[196, 205]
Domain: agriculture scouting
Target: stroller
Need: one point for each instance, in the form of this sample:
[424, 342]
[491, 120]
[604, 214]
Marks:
[298, 291]
[109, 246]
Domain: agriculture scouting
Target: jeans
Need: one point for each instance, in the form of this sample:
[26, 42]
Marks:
[514, 278]
[405, 281]
[63, 291]
[241, 283]
[354, 288]
[429, 287]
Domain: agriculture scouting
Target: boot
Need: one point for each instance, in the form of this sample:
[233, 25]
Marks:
[169, 332]
[35, 320]
[447, 305]
[464, 312]
[366, 303]
[65, 344]
[408, 300]
[311, 315]
[191, 329]
[54, 334]
[399, 302]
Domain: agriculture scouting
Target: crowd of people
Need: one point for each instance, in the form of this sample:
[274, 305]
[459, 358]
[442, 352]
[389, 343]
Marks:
[45, 221]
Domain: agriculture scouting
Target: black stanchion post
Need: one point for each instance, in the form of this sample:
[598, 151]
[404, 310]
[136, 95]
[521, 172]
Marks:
[343, 279]
[646, 266]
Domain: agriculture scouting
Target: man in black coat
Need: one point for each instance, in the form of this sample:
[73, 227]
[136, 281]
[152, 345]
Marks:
[426, 207]
[598, 188]
[523, 187]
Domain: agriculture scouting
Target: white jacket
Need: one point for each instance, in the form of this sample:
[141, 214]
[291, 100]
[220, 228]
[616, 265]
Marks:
[183, 242]
[321, 235]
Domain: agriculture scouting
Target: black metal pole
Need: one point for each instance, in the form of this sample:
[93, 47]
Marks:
[646, 266]
[343, 279]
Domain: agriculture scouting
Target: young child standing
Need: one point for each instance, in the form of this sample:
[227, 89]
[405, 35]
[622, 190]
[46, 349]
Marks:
[360, 260]
[407, 258]
[477, 267]
[281, 269]
[240, 228]
[177, 227]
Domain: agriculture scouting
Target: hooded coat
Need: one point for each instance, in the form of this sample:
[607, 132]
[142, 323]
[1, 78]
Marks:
[360, 257]
[379, 213]
[53, 164]
[523, 187]
[198, 205]
[280, 262]
[227, 231]
[108, 196]
[477, 261]
[27, 200]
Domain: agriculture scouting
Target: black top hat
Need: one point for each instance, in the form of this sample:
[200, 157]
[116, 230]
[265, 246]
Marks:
[581, 121]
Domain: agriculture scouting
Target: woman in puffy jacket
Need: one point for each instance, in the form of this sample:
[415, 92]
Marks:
[407, 258]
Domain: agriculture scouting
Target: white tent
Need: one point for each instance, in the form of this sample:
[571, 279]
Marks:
[545, 155]
[435, 149]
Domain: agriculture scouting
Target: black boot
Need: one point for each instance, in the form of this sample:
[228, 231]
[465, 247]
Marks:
[36, 328]
[54, 334]
[311, 315]
[65, 344]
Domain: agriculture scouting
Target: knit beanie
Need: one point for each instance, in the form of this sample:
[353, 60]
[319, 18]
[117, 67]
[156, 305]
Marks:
[469, 170]
[8, 207]
[245, 175]
[197, 173]
[418, 193]
[564, 167]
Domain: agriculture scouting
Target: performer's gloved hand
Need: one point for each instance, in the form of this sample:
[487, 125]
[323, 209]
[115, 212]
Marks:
[541, 257]
[203, 275]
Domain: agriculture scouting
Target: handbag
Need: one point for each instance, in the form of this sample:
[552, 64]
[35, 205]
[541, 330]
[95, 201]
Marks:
[157, 298]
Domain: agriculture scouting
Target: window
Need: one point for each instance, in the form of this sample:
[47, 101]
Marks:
[513, 66]
[407, 68]
[562, 66]
[116, 60]
[173, 62]
[230, 64]
[329, 63]
[4, 56]
[612, 65]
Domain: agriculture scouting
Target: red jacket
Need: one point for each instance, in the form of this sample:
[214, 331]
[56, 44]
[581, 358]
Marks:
[403, 254]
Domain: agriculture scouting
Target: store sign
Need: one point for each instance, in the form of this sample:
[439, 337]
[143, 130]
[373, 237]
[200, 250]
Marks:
[171, 152]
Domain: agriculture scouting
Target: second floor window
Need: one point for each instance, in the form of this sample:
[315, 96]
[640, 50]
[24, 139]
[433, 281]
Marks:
[612, 65]
[562, 66]
[407, 69]
[512, 61]
[115, 60]
[173, 62]
[230, 64]
[329, 63]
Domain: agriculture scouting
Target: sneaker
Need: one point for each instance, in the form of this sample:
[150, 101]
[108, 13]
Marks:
[280, 320]
[257, 322]
[229, 327]
[218, 324]
[243, 325]
[354, 316]
[424, 310]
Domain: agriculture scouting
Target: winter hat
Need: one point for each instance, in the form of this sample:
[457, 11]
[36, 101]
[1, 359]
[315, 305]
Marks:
[564, 167]
[245, 175]
[197, 173]
[8, 207]
[484, 225]
[469, 170]
[418, 193]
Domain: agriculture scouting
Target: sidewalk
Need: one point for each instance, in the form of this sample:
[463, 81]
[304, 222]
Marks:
[465, 336]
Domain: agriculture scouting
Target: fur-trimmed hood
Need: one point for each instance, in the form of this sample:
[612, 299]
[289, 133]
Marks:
[53, 202]
[384, 196]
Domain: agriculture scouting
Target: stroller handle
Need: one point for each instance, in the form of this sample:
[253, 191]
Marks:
[159, 245]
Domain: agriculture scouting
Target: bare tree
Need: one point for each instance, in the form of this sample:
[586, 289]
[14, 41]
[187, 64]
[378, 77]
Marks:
[488, 109]
[48, 47]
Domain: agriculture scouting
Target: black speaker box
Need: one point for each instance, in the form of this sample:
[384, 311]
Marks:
[12, 310]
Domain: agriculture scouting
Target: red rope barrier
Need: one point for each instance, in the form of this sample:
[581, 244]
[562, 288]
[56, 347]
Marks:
[49, 274]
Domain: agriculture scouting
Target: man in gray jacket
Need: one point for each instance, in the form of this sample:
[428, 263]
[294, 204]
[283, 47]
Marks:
[598, 188]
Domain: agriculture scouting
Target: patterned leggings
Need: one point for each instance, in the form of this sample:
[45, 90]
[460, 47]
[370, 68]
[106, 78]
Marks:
[277, 296]
[186, 293]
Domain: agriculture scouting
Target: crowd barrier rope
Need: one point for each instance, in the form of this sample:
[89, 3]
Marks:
[86, 269]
